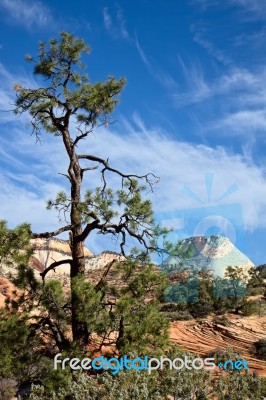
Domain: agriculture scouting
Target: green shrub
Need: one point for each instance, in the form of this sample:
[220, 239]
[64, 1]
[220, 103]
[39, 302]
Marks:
[7, 388]
[178, 316]
[255, 291]
[174, 307]
[218, 352]
[254, 307]
[222, 320]
[260, 348]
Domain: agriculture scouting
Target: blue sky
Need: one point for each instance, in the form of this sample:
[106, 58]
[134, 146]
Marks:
[193, 110]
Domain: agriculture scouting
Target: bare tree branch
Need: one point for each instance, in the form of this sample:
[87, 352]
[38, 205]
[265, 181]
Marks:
[129, 177]
[108, 267]
[47, 235]
[89, 227]
[65, 175]
[81, 136]
[54, 265]
[57, 334]
[89, 168]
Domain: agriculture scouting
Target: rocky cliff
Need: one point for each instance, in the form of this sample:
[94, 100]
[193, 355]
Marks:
[46, 251]
[213, 253]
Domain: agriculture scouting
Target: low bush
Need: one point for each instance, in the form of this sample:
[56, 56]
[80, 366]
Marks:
[7, 388]
[260, 348]
[174, 306]
[254, 307]
[222, 320]
[178, 316]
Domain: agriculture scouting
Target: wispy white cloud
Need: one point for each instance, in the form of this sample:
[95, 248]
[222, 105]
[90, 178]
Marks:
[211, 49]
[240, 94]
[176, 163]
[242, 122]
[122, 22]
[235, 95]
[7, 95]
[255, 6]
[198, 88]
[256, 39]
[38, 178]
[158, 73]
[20, 204]
[244, 84]
[27, 12]
[195, 161]
[108, 23]
[117, 27]
[27, 184]
[142, 54]
[249, 8]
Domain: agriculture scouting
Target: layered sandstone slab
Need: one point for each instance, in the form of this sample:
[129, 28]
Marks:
[206, 336]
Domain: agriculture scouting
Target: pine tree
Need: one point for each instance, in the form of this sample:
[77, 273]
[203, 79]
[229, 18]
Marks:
[69, 106]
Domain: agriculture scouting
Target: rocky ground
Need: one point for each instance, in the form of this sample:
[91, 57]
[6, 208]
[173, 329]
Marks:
[206, 336]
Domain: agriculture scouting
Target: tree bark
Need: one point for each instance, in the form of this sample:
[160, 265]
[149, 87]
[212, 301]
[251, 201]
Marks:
[79, 329]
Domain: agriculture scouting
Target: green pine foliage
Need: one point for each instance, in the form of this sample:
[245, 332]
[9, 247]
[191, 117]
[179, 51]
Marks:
[15, 248]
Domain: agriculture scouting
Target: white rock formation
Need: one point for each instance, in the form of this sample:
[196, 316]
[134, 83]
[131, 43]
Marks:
[214, 253]
[47, 251]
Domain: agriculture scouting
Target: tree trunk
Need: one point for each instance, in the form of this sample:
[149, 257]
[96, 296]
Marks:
[79, 329]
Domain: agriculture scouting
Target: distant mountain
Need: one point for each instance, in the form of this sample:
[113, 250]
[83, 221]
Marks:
[213, 253]
[47, 251]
